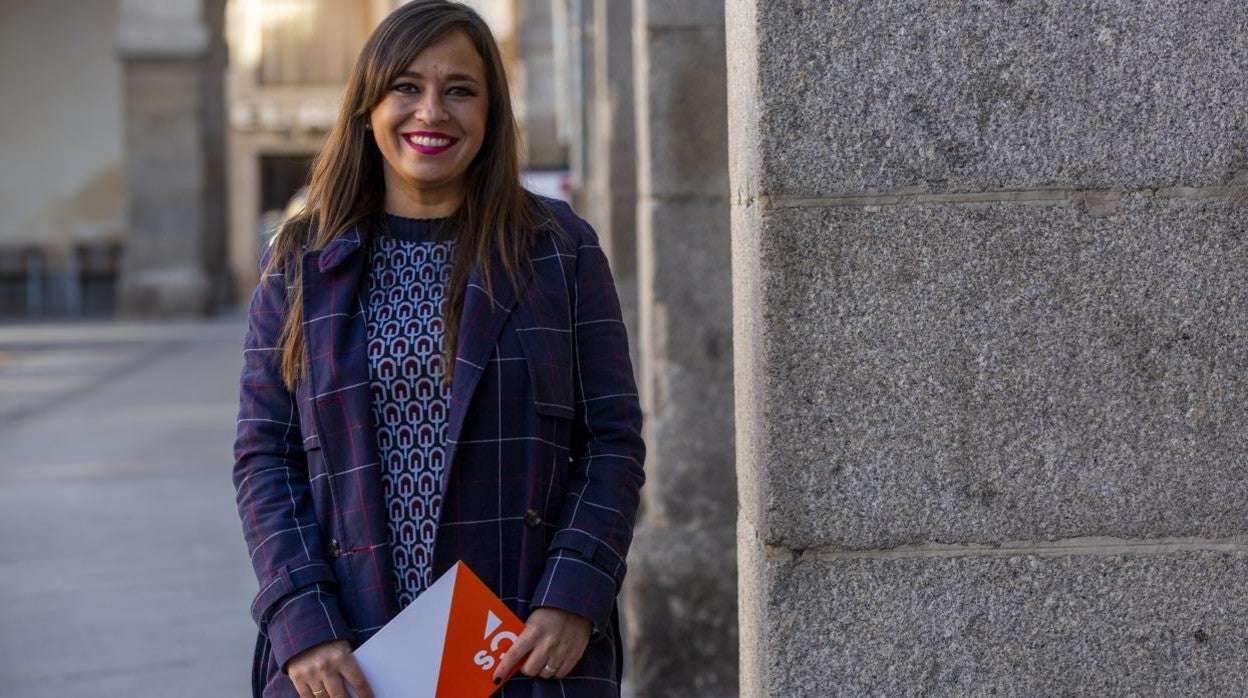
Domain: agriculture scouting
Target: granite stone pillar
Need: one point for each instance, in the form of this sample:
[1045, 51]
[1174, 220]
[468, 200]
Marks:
[681, 588]
[991, 370]
[173, 58]
[612, 164]
[574, 23]
[536, 93]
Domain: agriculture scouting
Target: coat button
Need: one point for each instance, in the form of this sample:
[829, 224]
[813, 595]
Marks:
[335, 549]
[532, 518]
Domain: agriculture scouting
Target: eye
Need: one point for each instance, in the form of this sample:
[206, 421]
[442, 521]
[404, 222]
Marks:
[460, 92]
[406, 88]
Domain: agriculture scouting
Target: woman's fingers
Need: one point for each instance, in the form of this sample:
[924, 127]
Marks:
[330, 685]
[563, 657]
[320, 672]
[355, 676]
[312, 688]
[552, 638]
[544, 654]
[569, 635]
[334, 687]
[517, 652]
[320, 687]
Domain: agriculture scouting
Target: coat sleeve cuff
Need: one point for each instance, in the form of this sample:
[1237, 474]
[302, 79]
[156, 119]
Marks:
[576, 585]
[307, 618]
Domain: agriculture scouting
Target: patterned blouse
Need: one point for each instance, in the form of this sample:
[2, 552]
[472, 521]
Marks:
[409, 271]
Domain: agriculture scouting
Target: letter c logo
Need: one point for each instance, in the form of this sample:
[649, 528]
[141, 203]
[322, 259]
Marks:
[505, 635]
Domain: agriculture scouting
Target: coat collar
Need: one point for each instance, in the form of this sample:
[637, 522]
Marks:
[338, 250]
[476, 338]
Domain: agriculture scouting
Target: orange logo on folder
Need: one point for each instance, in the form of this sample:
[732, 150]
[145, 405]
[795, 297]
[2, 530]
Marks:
[481, 629]
[445, 644]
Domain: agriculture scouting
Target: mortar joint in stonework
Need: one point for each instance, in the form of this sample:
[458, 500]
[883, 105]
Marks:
[1097, 202]
[1088, 545]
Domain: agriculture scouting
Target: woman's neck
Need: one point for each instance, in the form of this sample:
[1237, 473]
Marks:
[409, 203]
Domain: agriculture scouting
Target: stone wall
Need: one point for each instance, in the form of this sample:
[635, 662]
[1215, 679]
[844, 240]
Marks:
[536, 95]
[54, 190]
[681, 588]
[62, 199]
[989, 329]
[612, 176]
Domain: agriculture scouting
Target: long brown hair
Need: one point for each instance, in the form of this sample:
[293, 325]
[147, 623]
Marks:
[346, 189]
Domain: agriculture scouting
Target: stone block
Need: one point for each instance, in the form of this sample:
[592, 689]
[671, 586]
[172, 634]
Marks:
[750, 375]
[171, 192]
[1157, 625]
[680, 14]
[686, 319]
[681, 599]
[688, 247]
[685, 120]
[949, 96]
[997, 372]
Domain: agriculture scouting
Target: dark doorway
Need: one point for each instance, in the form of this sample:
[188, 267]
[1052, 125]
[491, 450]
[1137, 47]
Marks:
[281, 177]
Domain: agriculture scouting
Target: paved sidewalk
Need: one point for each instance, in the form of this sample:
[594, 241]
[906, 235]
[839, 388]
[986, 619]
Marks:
[121, 556]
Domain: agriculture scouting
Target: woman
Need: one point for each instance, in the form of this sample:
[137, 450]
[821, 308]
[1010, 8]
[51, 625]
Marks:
[435, 370]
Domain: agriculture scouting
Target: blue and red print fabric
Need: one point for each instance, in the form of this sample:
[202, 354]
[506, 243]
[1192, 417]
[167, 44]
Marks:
[406, 284]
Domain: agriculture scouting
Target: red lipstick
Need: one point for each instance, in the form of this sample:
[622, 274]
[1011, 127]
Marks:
[429, 142]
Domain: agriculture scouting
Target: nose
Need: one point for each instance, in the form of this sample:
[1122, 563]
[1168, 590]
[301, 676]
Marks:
[430, 109]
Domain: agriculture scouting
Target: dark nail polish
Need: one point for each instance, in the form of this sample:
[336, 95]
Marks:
[497, 680]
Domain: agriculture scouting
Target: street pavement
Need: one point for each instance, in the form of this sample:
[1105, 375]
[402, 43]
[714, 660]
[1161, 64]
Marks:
[122, 562]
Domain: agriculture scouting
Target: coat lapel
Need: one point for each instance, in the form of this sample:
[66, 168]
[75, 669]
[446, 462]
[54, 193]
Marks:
[335, 334]
[479, 327]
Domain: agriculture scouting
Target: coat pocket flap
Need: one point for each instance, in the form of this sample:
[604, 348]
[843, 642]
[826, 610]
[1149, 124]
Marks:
[548, 353]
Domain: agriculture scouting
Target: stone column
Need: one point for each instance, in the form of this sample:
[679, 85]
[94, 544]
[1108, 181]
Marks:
[581, 74]
[991, 369]
[681, 588]
[534, 90]
[611, 171]
[173, 59]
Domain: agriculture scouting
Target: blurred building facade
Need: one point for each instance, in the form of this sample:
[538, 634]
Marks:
[62, 183]
[151, 145]
[113, 193]
[173, 57]
[289, 62]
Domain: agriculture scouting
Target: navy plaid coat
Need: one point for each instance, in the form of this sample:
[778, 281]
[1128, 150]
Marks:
[544, 452]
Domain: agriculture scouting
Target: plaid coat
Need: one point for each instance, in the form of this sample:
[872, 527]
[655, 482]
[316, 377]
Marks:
[544, 457]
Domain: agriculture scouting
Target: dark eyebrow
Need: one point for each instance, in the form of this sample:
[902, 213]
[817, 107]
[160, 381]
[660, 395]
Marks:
[453, 77]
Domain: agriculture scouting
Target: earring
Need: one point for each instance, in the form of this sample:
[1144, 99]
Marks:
[368, 126]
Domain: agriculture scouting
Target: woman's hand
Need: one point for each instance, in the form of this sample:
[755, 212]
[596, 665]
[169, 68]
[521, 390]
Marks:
[319, 672]
[551, 644]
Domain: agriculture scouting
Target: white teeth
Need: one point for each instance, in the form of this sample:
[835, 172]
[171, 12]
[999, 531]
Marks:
[433, 142]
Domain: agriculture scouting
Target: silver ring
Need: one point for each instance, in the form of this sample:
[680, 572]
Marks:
[320, 694]
[549, 668]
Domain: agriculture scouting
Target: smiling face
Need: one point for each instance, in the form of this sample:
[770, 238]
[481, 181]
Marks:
[430, 126]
